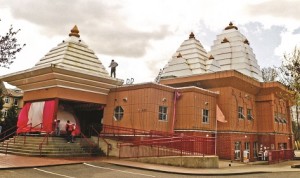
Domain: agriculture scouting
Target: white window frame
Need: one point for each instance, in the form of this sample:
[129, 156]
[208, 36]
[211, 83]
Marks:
[16, 101]
[249, 114]
[240, 112]
[118, 113]
[205, 116]
[163, 113]
[7, 100]
[4, 113]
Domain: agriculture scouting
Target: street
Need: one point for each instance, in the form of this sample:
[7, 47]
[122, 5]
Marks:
[104, 170]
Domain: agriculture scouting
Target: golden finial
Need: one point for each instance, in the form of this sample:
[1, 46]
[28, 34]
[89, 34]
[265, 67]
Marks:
[231, 26]
[74, 32]
[192, 35]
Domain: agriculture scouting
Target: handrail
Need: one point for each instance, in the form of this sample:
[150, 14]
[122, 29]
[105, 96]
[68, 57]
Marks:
[91, 144]
[98, 134]
[25, 136]
[12, 132]
[122, 130]
[14, 137]
[45, 138]
[108, 145]
[4, 133]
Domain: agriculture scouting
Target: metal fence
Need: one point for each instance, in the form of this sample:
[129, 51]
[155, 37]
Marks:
[276, 156]
[158, 143]
[175, 146]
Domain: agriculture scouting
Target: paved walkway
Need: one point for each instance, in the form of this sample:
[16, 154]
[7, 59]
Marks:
[14, 161]
[225, 169]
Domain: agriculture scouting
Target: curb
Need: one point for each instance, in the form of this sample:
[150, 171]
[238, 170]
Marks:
[199, 173]
[34, 166]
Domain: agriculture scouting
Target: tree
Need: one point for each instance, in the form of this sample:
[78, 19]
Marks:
[290, 76]
[12, 117]
[1, 103]
[269, 74]
[9, 47]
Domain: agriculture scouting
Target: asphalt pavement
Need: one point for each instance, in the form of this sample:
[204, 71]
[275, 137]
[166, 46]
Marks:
[225, 167]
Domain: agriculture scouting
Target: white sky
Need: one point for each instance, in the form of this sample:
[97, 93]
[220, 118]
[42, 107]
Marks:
[142, 35]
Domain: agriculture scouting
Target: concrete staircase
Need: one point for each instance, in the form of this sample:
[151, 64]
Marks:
[56, 147]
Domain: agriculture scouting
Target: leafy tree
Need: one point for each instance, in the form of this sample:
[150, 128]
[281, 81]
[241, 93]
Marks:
[290, 76]
[1, 103]
[9, 47]
[269, 74]
[12, 117]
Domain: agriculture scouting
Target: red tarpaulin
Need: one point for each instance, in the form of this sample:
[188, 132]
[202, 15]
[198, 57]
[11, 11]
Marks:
[23, 117]
[42, 115]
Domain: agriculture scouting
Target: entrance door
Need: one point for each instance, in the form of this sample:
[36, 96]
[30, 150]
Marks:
[246, 153]
[237, 151]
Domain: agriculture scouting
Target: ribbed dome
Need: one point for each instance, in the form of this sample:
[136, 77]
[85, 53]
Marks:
[232, 51]
[193, 60]
[75, 55]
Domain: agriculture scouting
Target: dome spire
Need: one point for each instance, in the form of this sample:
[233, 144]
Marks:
[74, 32]
[192, 35]
[231, 26]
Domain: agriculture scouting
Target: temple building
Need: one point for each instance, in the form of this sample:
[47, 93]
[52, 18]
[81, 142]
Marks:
[218, 94]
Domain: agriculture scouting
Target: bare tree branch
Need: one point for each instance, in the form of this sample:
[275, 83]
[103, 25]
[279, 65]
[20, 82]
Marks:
[9, 47]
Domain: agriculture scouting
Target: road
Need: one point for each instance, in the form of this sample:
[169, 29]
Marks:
[104, 170]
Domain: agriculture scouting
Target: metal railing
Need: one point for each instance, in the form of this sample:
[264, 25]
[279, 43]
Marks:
[108, 145]
[11, 134]
[31, 129]
[158, 143]
[91, 145]
[276, 156]
[109, 130]
[176, 146]
[4, 135]
[45, 139]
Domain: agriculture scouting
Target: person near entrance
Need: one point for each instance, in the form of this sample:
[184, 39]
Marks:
[57, 127]
[113, 65]
[73, 133]
[69, 129]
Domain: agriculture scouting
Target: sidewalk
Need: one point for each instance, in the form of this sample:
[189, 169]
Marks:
[14, 161]
[224, 168]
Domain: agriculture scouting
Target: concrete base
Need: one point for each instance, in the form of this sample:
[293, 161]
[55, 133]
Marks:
[184, 161]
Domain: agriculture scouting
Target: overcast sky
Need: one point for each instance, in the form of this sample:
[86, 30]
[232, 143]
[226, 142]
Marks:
[142, 35]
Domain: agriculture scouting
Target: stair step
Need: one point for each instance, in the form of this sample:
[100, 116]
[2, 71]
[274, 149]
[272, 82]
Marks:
[56, 146]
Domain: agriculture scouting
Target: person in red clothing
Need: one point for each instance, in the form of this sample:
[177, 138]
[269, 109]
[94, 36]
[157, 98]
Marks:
[73, 133]
[69, 129]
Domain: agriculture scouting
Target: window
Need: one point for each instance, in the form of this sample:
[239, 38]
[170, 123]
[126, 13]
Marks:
[247, 146]
[249, 114]
[4, 113]
[284, 120]
[205, 116]
[276, 117]
[118, 113]
[6, 100]
[16, 101]
[162, 113]
[240, 113]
